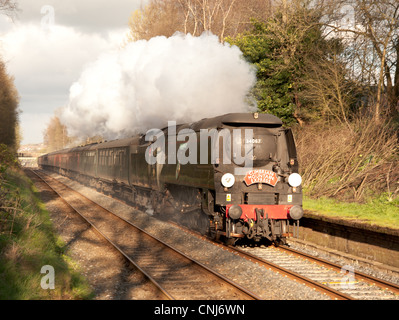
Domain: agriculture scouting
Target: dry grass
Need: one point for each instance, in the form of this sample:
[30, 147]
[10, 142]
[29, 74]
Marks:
[350, 161]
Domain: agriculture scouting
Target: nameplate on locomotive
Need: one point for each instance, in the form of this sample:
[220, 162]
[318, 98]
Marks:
[261, 176]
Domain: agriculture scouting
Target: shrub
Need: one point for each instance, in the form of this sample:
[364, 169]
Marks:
[349, 161]
[7, 159]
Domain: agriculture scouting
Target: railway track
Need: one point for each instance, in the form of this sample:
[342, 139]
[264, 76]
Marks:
[175, 274]
[338, 282]
[358, 276]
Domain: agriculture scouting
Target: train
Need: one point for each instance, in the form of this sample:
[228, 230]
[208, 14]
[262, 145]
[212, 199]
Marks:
[233, 177]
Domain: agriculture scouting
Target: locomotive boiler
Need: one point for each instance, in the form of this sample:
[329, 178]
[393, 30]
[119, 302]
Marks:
[232, 177]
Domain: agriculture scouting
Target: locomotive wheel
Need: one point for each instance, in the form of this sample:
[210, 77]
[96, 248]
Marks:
[230, 241]
[196, 220]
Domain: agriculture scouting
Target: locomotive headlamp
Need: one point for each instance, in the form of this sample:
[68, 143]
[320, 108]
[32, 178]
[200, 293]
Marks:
[296, 212]
[294, 180]
[228, 180]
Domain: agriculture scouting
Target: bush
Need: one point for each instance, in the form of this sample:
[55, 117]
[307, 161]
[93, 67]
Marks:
[7, 159]
[9, 199]
[349, 161]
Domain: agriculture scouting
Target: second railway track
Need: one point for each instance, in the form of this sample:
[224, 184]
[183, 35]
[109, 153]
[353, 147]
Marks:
[338, 282]
[174, 273]
[341, 282]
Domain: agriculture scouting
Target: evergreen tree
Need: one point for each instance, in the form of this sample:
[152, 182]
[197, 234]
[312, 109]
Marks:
[280, 49]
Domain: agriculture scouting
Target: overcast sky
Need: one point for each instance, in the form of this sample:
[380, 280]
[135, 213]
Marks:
[49, 43]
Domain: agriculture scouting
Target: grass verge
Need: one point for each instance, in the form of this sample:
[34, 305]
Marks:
[381, 211]
[28, 242]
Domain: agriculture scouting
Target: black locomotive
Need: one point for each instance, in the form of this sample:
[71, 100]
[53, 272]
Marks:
[233, 176]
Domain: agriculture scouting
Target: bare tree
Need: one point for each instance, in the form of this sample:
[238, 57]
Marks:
[158, 17]
[9, 7]
[374, 31]
[327, 88]
[221, 17]
[56, 135]
[207, 15]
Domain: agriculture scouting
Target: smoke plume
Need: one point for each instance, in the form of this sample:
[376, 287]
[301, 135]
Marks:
[147, 83]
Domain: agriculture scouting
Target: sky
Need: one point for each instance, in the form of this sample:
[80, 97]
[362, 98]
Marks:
[47, 46]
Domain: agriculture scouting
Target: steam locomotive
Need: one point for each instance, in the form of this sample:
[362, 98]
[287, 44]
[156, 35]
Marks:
[233, 177]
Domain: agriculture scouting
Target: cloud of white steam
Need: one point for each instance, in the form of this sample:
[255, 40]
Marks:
[147, 83]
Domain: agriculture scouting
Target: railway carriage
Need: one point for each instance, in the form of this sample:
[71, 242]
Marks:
[200, 174]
